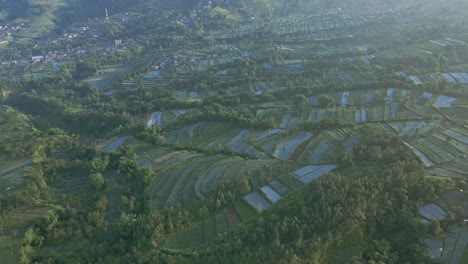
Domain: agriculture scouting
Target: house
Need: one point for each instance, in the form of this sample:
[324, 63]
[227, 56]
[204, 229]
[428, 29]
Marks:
[37, 58]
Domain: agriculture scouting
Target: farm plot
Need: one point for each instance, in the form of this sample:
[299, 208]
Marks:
[457, 114]
[440, 152]
[279, 187]
[344, 99]
[240, 145]
[10, 167]
[10, 248]
[208, 135]
[448, 77]
[457, 136]
[75, 182]
[245, 211]
[415, 79]
[209, 179]
[12, 178]
[161, 158]
[444, 101]
[449, 243]
[285, 148]
[177, 186]
[13, 226]
[429, 153]
[444, 144]
[199, 233]
[318, 151]
[455, 198]
[257, 201]
[446, 173]
[412, 128]
[457, 169]
[113, 143]
[106, 77]
[434, 247]
[155, 119]
[462, 242]
[271, 194]
[432, 212]
[460, 77]
[259, 172]
[232, 217]
[461, 147]
[309, 173]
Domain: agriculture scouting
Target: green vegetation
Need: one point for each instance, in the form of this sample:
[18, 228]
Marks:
[156, 133]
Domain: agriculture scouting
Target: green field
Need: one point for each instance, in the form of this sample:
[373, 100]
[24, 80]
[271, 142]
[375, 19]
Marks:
[198, 233]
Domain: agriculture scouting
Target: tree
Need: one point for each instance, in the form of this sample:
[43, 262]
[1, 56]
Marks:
[97, 180]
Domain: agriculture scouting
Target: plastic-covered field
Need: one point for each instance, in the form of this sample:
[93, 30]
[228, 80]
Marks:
[432, 212]
[257, 201]
[311, 172]
[155, 119]
[458, 136]
[279, 187]
[444, 101]
[449, 243]
[117, 143]
[271, 194]
[285, 148]
[434, 247]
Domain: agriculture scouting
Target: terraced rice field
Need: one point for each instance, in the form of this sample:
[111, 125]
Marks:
[318, 151]
[411, 128]
[211, 177]
[113, 144]
[457, 135]
[177, 186]
[431, 150]
[155, 119]
[14, 225]
[199, 233]
[240, 145]
[13, 178]
[285, 148]
[162, 158]
[207, 135]
[426, 160]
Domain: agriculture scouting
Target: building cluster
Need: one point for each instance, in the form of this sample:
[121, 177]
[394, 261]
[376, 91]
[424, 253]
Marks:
[6, 31]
